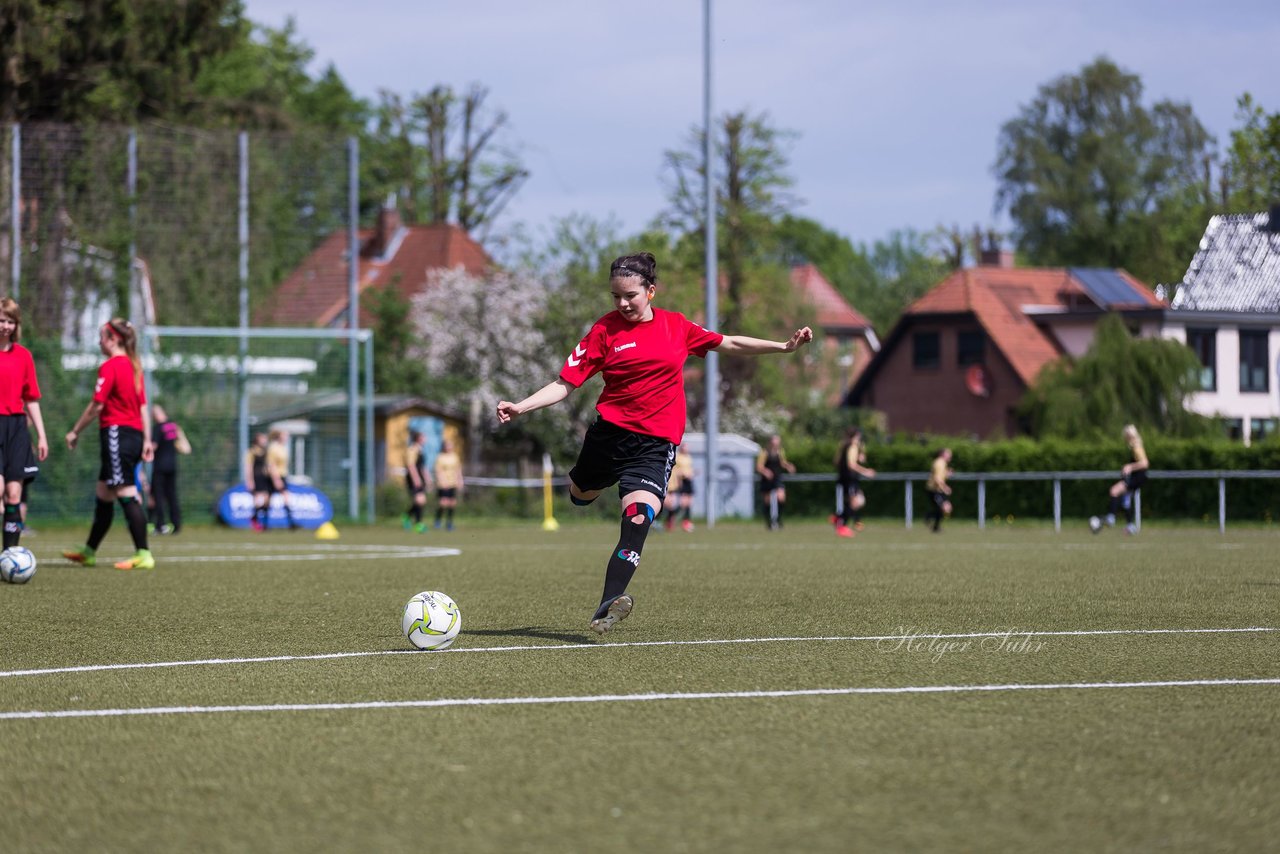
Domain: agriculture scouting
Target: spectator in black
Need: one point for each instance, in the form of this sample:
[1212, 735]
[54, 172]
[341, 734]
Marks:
[169, 441]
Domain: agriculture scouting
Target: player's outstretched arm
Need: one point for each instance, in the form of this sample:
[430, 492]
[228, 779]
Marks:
[744, 345]
[549, 395]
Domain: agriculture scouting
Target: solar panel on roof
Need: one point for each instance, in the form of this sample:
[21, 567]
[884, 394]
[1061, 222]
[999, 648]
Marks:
[1107, 287]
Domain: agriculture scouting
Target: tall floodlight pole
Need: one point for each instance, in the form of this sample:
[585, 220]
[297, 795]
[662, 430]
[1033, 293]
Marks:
[713, 359]
[353, 321]
[242, 414]
[15, 216]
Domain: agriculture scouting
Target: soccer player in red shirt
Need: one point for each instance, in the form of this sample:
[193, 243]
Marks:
[120, 405]
[641, 351]
[19, 397]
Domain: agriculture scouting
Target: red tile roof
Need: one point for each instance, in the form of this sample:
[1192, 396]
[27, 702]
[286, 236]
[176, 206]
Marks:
[999, 297]
[832, 311]
[315, 293]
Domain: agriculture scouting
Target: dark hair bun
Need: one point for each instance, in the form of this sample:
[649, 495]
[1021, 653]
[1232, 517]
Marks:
[642, 264]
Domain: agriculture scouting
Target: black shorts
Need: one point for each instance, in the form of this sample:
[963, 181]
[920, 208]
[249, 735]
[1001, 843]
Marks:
[262, 483]
[419, 489]
[686, 487]
[447, 492]
[769, 484]
[120, 449]
[1134, 480]
[611, 454]
[936, 498]
[17, 458]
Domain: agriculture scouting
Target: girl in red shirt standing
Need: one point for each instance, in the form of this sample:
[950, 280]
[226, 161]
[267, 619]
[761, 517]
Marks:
[120, 405]
[19, 398]
[641, 351]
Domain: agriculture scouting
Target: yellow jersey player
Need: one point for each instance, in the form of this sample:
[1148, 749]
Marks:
[938, 491]
[448, 483]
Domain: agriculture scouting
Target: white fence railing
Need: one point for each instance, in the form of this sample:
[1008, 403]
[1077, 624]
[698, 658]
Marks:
[1222, 476]
[982, 478]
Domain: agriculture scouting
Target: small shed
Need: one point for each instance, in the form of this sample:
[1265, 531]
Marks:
[736, 481]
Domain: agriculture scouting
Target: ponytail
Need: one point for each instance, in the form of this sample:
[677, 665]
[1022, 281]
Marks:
[125, 333]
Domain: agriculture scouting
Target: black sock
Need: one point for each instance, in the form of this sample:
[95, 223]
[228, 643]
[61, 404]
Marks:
[137, 520]
[1114, 505]
[12, 525]
[626, 557]
[103, 513]
[448, 516]
[439, 514]
[688, 512]
[415, 513]
[1129, 508]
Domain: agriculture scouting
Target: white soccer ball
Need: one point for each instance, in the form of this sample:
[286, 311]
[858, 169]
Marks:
[1095, 524]
[431, 620]
[17, 565]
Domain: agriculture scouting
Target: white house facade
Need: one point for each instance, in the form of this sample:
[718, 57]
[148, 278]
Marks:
[1227, 310]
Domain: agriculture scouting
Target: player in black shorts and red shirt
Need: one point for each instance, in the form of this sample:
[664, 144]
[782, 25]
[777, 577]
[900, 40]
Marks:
[19, 395]
[120, 406]
[641, 351]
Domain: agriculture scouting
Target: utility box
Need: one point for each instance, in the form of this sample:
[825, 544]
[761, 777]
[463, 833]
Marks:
[736, 481]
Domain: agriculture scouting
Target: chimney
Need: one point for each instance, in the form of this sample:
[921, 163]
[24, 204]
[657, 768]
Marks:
[388, 225]
[994, 256]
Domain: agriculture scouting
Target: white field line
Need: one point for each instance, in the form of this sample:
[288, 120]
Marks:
[354, 552]
[92, 668]
[624, 698]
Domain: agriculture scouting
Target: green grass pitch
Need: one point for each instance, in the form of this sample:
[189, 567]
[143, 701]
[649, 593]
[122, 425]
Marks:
[771, 691]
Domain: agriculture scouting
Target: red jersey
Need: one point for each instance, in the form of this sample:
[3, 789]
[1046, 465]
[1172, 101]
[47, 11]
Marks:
[643, 366]
[121, 400]
[17, 380]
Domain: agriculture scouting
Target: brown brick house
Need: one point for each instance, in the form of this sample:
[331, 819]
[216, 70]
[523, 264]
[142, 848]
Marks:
[391, 255]
[961, 356]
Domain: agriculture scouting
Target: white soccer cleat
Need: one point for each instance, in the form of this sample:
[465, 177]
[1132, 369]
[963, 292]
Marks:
[618, 610]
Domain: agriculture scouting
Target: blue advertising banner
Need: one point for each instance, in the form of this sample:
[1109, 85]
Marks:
[311, 507]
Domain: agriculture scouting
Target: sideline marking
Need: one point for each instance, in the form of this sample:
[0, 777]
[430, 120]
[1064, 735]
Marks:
[90, 668]
[623, 698]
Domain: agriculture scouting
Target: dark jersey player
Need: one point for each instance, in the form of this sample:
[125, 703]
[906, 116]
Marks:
[640, 350]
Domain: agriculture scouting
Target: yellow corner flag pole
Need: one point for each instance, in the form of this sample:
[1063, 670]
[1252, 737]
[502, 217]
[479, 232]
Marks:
[549, 522]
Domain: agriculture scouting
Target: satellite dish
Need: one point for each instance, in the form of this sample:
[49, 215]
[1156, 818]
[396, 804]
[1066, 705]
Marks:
[977, 381]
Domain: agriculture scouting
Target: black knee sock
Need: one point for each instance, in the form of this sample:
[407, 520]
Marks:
[12, 525]
[137, 520]
[103, 513]
[687, 512]
[626, 556]
[448, 515]
[1114, 505]
[415, 513]
[439, 514]
[1129, 502]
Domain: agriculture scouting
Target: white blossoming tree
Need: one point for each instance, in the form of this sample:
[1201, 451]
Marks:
[481, 333]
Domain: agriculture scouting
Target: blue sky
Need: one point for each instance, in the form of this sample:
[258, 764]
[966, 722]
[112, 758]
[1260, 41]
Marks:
[897, 107]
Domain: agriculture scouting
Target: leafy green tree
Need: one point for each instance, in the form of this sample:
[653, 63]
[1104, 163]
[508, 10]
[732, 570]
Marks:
[442, 154]
[878, 280]
[1086, 169]
[752, 191]
[110, 60]
[262, 82]
[395, 368]
[1251, 174]
[1120, 380]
